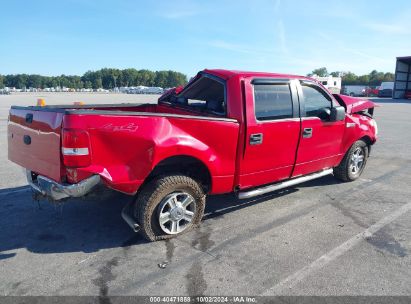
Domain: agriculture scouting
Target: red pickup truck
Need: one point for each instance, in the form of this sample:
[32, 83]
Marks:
[225, 131]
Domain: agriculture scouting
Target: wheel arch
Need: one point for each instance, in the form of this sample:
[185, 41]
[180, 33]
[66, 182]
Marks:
[367, 139]
[183, 164]
[348, 144]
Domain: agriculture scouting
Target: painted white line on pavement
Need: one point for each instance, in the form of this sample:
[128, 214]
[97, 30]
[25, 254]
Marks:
[301, 274]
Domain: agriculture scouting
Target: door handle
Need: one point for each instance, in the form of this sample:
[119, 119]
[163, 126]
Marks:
[256, 139]
[307, 132]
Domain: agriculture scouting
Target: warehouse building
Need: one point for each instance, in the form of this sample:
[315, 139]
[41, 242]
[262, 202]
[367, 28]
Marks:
[402, 77]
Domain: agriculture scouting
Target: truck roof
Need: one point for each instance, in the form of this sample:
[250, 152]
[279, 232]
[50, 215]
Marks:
[227, 74]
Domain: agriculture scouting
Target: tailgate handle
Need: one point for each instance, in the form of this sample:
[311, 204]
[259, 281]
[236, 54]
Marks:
[27, 139]
[29, 117]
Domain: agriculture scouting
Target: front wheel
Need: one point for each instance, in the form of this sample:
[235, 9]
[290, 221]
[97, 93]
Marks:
[168, 206]
[353, 162]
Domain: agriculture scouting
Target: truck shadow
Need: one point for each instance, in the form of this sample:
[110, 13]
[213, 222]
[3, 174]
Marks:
[221, 204]
[91, 224]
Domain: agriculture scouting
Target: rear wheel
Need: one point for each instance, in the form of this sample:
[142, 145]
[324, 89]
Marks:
[168, 206]
[353, 162]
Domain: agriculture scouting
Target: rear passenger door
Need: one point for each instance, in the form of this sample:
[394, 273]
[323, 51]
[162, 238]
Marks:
[272, 132]
[320, 139]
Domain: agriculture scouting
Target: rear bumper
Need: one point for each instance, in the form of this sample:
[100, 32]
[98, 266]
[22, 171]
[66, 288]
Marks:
[56, 191]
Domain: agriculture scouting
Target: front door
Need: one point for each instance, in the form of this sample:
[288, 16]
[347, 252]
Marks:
[273, 129]
[320, 139]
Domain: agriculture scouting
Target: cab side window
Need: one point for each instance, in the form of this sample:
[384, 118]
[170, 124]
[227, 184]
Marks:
[315, 100]
[273, 101]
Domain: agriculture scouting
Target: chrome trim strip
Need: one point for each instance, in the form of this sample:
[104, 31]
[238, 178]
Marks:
[281, 185]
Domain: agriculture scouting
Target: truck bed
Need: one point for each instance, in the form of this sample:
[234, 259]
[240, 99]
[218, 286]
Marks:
[131, 109]
[126, 140]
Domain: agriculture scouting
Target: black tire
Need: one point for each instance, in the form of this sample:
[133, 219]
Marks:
[155, 193]
[344, 171]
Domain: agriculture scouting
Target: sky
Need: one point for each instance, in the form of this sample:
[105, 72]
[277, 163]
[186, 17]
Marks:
[70, 37]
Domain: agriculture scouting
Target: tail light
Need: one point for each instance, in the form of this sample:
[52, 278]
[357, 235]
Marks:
[75, 148]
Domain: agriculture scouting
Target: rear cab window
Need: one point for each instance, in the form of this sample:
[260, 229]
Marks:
[206, 94]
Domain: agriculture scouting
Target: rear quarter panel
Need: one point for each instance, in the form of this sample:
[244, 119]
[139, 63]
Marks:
[125, 149]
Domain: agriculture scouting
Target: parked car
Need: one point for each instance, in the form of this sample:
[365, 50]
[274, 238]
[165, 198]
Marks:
[371, 92]
[407, 94]
[386, 89]
[154, 90]
[225, 131]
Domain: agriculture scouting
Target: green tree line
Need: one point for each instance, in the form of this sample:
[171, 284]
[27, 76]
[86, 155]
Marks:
[104, 78]
[374, 78]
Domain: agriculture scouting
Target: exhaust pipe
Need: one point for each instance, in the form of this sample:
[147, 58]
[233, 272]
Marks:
[126, 215]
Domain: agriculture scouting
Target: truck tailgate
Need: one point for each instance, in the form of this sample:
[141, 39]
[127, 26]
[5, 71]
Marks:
[34, 140]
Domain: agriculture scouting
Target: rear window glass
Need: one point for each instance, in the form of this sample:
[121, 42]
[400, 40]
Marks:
[273, 101]
[206, 94]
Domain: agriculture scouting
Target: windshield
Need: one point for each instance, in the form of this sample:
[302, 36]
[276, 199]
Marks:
[205, 94]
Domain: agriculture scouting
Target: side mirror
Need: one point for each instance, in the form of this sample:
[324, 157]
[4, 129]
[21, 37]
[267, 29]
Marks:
[324, 113]
[337, 113]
